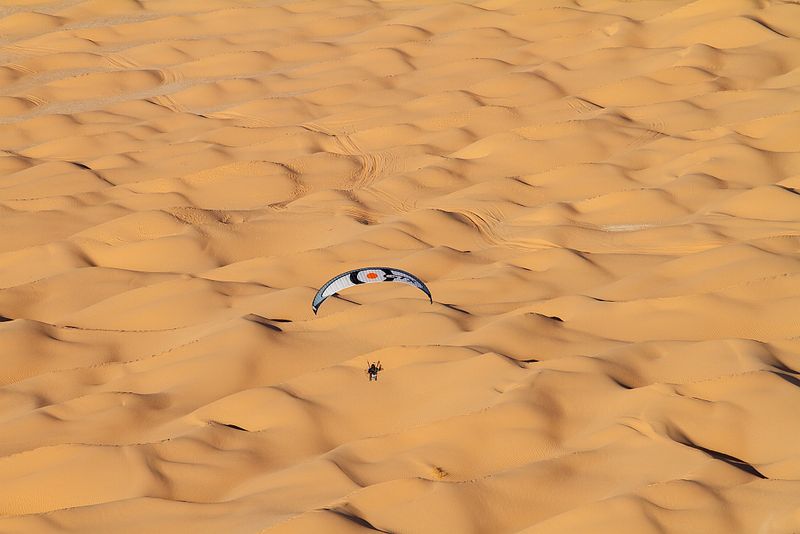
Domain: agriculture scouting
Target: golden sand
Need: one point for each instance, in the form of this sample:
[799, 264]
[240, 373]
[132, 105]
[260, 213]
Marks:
[603, 197]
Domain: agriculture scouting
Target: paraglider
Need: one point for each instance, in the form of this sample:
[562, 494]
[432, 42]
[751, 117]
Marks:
[366, 275]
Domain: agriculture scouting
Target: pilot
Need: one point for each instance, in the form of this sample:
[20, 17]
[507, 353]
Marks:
[373, 370]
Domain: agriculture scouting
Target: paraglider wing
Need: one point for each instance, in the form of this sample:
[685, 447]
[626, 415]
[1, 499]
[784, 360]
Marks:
[367, 275]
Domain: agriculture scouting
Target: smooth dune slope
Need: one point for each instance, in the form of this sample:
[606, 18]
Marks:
[603, 197]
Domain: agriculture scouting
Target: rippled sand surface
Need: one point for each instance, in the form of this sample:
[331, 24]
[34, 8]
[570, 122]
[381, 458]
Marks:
[603, 197]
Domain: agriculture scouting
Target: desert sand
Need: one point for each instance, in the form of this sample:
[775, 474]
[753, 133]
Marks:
[603, 197]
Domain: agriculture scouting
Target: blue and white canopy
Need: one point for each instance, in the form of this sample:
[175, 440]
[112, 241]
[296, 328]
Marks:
[367, 275]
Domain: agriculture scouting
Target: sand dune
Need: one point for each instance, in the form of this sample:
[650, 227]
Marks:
[602, 196]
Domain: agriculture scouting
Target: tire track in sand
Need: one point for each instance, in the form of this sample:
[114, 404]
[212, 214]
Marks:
[373, 166]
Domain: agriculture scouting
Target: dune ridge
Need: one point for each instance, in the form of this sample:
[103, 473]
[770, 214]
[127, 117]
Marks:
[602, 196]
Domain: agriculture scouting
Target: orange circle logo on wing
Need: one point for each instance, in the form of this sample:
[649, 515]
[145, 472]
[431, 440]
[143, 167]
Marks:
[372, 275]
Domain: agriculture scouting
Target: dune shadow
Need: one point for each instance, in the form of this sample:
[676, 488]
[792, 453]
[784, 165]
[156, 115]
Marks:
[727, 458]
[339, 297]
[230, 425]
[551, 317]
[789, 189]
[793, 380]
[263, 321]
[455, 308]
[355, 519]
[782, 367]
[620, 383]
